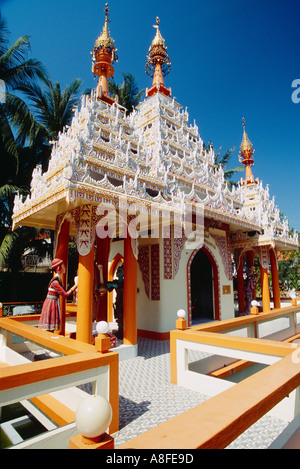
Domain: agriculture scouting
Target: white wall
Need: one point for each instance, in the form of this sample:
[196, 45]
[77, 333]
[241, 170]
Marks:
[160, 316]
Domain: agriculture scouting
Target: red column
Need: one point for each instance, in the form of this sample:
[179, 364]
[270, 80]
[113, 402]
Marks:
[62, 253]
[275, 279]
[129, 295]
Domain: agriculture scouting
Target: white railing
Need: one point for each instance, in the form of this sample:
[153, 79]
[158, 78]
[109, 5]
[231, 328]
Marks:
[214, 357]
[74, 363]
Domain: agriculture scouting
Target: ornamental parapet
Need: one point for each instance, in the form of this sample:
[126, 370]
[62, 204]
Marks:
[104, 151]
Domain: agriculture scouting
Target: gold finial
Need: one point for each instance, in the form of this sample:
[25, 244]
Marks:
[158, 40]
[157, 53]
[103, 56]
[105, 40]
[106, 10]
[246, 150]
[246, 157]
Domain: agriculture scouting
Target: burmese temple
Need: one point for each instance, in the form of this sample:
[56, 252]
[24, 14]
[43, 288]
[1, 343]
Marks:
[166, 252]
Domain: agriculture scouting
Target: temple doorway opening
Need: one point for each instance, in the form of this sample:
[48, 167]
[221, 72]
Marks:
[202, 288]
[118, 300]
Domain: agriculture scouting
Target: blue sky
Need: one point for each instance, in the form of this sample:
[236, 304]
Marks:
[230, 59]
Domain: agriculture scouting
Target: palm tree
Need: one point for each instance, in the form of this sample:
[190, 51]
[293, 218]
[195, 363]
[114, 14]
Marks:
[15, 243]
[25, 137]
[222, 161]
[15, 67]
[128, 92]
[52, 110]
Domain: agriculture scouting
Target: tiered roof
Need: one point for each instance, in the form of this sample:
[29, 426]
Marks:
[153, 157]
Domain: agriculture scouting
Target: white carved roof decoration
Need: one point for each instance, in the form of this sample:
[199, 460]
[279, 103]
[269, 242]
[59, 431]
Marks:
[153, 148]
[265, 213]
[180, 153]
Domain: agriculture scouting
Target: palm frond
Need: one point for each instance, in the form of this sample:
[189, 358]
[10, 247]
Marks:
[52, 107]
[15, 67]
[22, 119]
[224, 160]
[9, 190]
[128, 92]
[7, 137]
[4, 33]
[230, 172]
[7, 247]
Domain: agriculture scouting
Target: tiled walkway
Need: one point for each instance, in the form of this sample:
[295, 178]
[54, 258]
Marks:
[147, 399]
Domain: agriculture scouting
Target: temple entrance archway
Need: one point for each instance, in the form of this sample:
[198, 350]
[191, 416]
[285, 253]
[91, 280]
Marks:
[203, 284]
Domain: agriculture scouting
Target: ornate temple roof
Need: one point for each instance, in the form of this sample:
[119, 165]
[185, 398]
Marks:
[153, 158]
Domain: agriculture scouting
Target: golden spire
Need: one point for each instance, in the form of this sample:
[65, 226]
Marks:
[105, 40]
[246, 150]
[103, 56]
[158, 63]
[246, 156]
[158, 40]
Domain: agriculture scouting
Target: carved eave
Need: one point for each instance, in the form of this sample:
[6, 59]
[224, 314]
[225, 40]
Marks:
[153, 159]
[42, 212]
[244, 240]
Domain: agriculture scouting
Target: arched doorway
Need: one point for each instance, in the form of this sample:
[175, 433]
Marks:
[203, 287]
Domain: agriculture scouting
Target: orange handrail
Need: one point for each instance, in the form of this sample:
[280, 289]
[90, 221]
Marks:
[78, 357]
[217, 422]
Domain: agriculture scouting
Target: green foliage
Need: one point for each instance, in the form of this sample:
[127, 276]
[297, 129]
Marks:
[15, 68]
[27, 129]
[128, 92]
[53, 107]
[223, 161]
[289, 271]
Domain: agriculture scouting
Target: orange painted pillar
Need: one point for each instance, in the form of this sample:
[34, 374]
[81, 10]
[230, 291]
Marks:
[241, 291]
[62, 252]
[85, 297]
[264, 279]
[129, 295]
[275, 279]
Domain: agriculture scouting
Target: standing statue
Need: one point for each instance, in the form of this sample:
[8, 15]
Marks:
[50, 318]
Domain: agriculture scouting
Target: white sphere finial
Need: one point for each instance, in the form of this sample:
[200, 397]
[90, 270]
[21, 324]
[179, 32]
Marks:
[181, 313]
[93, 416]
[102, 327]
